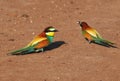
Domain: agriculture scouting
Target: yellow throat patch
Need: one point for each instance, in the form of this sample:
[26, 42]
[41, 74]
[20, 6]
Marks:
[50, 33]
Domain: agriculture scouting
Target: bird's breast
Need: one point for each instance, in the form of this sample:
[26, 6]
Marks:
[50, 38]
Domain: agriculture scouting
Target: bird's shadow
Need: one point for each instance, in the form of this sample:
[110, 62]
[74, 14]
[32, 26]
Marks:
[54, 45]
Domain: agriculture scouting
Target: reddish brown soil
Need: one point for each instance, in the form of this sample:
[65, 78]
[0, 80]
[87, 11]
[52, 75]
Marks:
[21, 20]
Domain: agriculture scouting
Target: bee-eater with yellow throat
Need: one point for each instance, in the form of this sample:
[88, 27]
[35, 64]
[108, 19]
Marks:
[38, 43]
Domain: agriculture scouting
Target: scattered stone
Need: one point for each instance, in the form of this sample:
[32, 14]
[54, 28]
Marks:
[31, 21]
[118, 33]
[48, 57]
[34, 8]
[14, 30]
[50, 18]
[71, 2]
[56, 6]
[1, 33]
[80, 13]
[11, 40]
[77, 8]
[63, 63]
[41, 16]
[52, 2]
[64, 5]
[9, 20]
[22, 34]
[15, 23]
[25, 16]
[33, 33]
[1, 9]
[9, 60]
[58, 78]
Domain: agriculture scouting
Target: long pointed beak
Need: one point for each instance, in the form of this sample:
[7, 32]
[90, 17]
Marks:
[78, 22]
[56, 31]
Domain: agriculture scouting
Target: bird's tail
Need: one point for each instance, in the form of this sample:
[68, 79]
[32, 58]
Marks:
[105, 43]
[109, 42]
[24, 50]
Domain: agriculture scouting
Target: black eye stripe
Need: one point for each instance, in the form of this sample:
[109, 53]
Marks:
[49, 31]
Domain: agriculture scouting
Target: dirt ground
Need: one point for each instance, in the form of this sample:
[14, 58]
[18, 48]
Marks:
[77, 60]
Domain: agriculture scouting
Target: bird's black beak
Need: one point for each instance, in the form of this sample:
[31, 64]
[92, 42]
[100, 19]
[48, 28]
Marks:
[78, 22]
[56, 31]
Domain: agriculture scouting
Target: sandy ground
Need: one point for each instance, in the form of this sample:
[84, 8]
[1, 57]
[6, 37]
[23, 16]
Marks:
[21, 20]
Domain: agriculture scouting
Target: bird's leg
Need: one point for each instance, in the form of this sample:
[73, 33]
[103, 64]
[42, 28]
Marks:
[90, 41]
[42, 49]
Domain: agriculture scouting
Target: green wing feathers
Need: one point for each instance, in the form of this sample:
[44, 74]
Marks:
[104, 42]
[24, 50]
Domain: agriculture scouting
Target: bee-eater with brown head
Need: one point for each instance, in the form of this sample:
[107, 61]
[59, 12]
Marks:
[38, 43]
[92, 36]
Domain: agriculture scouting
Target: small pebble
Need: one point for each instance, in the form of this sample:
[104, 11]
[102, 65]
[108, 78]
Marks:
[25, 16]
[31, 21]
[11, 40]
[9, 60]
[14, 30]
[52, 2]
[71, 2]
[33, 33]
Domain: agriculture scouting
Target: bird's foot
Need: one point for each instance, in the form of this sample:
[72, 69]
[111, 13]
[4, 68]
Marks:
[90, 42]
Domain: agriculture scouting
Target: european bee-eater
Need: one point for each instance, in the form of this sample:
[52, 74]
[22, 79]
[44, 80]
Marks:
[92, 36]
[38, 43]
